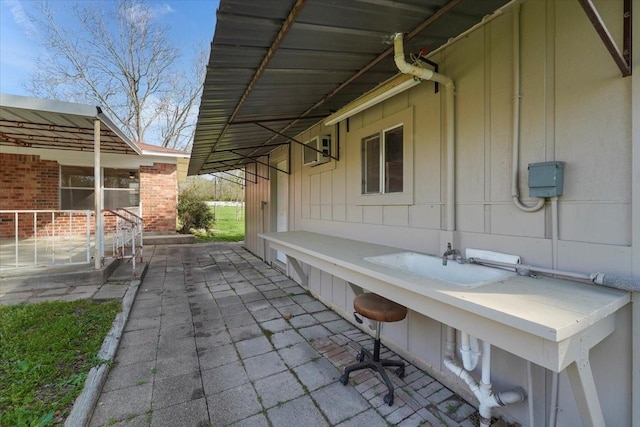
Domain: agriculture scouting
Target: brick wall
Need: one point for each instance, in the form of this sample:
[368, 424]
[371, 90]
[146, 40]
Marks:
[26, 182]
[159, 196]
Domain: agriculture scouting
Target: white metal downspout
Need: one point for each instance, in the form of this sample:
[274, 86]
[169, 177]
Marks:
[425, 74]
[515, 164]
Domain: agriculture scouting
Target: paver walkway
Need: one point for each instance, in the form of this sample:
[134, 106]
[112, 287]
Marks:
[216, 337]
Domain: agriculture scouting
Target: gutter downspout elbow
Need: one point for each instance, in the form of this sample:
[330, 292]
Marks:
[421, 73]
[447, 82]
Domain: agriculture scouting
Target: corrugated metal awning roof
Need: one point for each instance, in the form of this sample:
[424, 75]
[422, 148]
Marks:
[45, 123]
[285, 64]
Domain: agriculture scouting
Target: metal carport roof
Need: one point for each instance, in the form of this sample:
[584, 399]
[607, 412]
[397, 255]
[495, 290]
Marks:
[277, 67]
[43, 123]
[285, 64]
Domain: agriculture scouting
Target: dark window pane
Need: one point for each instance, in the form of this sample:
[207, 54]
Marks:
[77, 176]
[76, 199]
[371, 165]
[309, 154]
[119, 178]
[120, 199]
[393, 160]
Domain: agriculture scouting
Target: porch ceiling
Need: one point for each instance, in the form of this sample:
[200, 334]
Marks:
[42, 123]
[283, 65]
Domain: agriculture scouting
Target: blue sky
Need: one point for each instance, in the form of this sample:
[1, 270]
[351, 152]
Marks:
[192, 23]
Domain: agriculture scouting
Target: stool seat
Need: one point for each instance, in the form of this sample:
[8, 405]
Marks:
[378, 308]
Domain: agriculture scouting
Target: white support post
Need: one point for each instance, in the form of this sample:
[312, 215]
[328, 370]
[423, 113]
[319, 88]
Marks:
[635, 213]
[97, 189]
[296, 266]
[584, 390]
[35, 238]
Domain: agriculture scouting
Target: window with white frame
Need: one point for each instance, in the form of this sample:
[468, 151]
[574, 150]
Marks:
[384, 150]
[383, 162]
[121, 188]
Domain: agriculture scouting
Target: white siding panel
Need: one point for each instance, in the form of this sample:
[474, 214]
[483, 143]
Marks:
[507, 219]
[500, 103]
[396, 215]
[315, 281]
[424, 338]
[305, 194]
[305, 211]
[592, 258]
[326, 188]
[339, 212]
[397, 332]
[372, 214]
[426, 143]
[340, 294]
[326, 212]
[326, 286]
[588, 138]
[470, 217]
[425, 216]
[338, 182]
[596, 223]
[354, 213]
[314, 189]
[315, 212]
[469, 118]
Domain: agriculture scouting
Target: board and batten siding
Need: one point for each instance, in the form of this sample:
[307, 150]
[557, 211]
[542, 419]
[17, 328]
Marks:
[575, 107]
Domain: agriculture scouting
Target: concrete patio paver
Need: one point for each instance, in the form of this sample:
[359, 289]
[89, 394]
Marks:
[216, 337]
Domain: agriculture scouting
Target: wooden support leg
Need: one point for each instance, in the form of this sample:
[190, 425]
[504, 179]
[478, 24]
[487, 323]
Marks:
[296, 266]
[584, 390]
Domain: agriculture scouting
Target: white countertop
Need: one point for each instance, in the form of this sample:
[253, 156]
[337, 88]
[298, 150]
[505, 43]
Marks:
[549, 308]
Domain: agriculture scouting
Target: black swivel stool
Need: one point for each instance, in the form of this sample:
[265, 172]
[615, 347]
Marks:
[379, 309]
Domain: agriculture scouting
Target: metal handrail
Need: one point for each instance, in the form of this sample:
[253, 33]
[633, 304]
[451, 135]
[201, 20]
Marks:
[50, 236]
[126, 235]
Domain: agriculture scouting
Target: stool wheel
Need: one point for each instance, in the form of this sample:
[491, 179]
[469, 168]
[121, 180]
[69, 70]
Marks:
[388, 399]
[360, 356]
[344, 379]
[400, 372]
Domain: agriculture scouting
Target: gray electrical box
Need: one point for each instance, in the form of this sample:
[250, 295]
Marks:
[546, 179]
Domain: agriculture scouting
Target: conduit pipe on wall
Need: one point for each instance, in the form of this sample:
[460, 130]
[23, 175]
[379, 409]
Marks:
[481, 391]
[515, 166]
[426, 74]
[622, 283]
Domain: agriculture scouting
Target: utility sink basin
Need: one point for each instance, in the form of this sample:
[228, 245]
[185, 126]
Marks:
[464, 275]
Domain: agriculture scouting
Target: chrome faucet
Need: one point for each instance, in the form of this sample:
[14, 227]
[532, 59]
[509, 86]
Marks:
[449, 251]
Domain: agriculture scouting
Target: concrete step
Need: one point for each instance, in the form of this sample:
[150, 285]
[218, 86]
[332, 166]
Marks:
[71, 275]
[169, 239]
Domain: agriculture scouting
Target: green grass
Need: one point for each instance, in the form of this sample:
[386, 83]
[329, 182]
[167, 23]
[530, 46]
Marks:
[46, 352]
[226, 228]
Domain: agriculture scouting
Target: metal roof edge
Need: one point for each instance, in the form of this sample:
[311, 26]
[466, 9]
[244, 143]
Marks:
[64, 107]
[51, 105]
[115, 129]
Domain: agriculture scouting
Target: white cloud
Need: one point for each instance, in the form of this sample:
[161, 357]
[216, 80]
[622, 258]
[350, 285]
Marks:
[163, 9]
[140, 14]
[20, 17]
[17, 54]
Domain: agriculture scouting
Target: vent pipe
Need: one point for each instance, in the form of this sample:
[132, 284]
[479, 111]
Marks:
[425, 74]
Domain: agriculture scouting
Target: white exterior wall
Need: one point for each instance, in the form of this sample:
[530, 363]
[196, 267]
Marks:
[576, 108]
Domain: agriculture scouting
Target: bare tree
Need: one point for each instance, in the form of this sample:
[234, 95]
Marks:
[117, 55]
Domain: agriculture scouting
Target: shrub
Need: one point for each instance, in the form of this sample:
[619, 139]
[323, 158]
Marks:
[193, 212]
